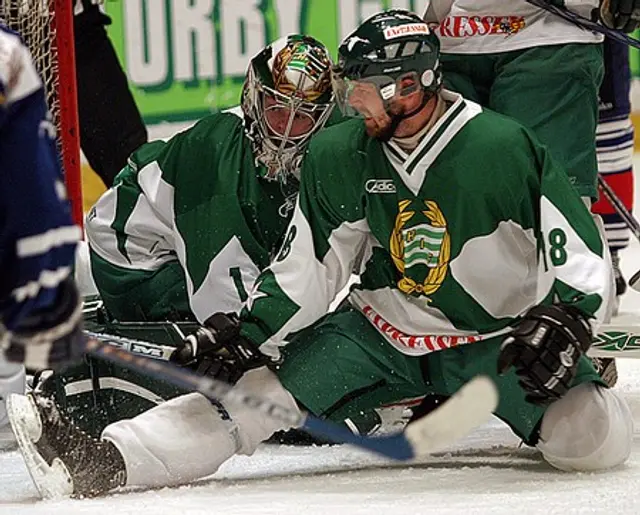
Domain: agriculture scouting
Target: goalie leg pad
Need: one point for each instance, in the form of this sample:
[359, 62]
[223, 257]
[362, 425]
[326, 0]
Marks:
[176, 442]
[590, 428]
[188, 437]
[254, 428]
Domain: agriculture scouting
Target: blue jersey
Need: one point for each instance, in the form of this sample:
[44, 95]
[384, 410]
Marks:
[37, 236]
[614, 90]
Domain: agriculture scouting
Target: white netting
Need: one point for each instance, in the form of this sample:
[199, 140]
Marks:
[34, 21]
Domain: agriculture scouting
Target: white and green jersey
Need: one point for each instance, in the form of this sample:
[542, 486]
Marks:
[492, 26]
[452, 241]
[196, 199]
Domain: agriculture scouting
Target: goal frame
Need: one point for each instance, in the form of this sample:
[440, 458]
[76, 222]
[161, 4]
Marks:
[67, 92]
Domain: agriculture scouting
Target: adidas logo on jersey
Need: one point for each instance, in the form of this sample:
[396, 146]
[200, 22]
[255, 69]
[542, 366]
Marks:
[380, 186]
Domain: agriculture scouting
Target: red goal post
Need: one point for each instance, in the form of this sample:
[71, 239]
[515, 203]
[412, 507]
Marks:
[47, 28]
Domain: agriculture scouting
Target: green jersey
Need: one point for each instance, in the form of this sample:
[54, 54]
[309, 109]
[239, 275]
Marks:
[196, 200]
[452, 241]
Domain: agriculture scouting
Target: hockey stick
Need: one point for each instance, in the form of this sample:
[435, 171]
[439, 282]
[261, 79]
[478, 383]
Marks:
[586, 23]
[616, 341]
[467, 409]
[612, 341]
[627, 218]
[620, 208]
[143, 348]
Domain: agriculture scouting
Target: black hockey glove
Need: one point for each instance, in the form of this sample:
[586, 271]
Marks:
[544, 348]
[49, 338]
[218, 350]
[621, 15]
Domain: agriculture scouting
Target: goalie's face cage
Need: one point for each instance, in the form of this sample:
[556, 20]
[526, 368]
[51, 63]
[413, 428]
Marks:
[287, 98]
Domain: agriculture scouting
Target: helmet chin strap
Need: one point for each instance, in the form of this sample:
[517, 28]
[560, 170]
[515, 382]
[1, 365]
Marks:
[396, 119]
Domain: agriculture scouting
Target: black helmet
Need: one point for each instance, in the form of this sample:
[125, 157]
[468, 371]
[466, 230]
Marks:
[386, 47]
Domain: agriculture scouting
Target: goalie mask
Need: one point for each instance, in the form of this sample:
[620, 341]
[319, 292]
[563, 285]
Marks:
[393, 54]
[286, 98]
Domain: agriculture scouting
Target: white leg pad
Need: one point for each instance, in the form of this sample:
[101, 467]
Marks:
[255, 428]
[178, 441]
[590, 428]
[188, 438]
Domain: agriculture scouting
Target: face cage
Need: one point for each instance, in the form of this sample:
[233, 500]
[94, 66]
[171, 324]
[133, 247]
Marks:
[282, 154]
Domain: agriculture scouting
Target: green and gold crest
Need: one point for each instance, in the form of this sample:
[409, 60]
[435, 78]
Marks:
[420, 247]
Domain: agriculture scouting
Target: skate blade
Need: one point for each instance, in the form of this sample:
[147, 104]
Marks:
[52, 481]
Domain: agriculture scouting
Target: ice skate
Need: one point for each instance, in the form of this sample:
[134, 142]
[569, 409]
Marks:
[61, 459]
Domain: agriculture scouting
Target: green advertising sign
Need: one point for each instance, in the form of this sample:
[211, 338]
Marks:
[186, 58]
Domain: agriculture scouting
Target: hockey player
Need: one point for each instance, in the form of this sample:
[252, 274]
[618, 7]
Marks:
[614, 141]
[437, 202]
[40, 311]
[614, 146]
[191, 222]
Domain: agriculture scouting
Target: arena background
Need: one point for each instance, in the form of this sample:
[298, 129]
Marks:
[187, 58]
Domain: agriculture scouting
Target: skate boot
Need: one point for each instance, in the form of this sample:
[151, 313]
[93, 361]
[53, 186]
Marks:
[61, 459]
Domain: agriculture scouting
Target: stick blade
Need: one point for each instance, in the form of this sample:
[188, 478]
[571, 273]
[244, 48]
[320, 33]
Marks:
[468, 408]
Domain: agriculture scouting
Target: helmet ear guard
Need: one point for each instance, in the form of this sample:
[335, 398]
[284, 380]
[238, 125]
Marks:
[428, 78]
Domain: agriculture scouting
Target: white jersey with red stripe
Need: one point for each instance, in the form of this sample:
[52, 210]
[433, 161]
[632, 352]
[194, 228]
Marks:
[492, 26]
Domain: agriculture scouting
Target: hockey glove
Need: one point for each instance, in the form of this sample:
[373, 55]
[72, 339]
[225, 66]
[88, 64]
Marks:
[218, 350]
[49, 338]
[544, 348]
[621, 15]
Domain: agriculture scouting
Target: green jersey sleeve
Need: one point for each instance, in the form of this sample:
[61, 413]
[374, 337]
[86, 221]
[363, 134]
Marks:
[318, 254]
[574, 254]
[130, 225]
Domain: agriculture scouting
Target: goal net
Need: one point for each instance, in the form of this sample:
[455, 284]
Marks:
[47, 28]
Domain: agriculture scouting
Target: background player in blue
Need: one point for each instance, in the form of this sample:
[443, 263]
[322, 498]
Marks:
[614, 145]
[614, 140]
[40, 312]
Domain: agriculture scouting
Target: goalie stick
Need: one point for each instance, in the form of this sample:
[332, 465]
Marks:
[586, 23]
[468, 408]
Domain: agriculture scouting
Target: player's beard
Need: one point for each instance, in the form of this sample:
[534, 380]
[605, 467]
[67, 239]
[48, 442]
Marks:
[383, 126]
